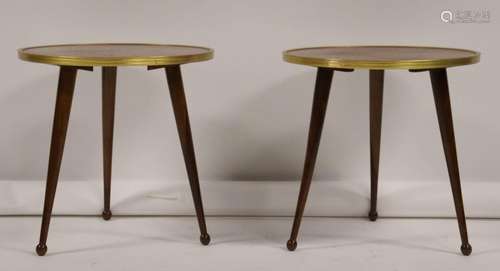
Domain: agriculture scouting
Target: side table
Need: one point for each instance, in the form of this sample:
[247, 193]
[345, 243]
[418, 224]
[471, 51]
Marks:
[377, 59]
[74, 57]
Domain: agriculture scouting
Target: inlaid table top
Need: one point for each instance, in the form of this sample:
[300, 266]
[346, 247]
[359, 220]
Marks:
[381, 57]
[115, 54]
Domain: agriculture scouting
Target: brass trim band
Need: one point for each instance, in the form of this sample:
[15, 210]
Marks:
[115, 61]
[392, 64]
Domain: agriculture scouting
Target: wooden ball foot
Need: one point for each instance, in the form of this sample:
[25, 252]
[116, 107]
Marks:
[41, 249]
[373, 215]
[106, 214]
[205, 239]
[466, 249]
[291, 245]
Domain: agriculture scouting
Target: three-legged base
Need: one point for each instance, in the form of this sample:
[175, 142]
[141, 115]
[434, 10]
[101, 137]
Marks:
[440, 90]
[67, 77]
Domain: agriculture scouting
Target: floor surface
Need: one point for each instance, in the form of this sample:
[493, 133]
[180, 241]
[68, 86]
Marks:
[171, 243]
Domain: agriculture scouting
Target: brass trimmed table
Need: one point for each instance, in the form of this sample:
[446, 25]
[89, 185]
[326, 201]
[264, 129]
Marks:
[74, 57]
[377, 59]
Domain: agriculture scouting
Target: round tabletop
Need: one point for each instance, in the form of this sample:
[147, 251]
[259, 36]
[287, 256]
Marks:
[115, 54]
[381, 57]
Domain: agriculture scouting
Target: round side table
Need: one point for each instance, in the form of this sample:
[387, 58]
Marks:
[74, 57]
[377, 59]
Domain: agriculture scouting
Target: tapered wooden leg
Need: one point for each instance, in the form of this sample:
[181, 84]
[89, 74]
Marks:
[65, 89]
[174, 79]
[108, 119]
[320, 102]
[376, 100]
[443, 107]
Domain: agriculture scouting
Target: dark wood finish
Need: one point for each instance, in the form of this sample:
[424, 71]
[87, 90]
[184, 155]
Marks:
[65, 89]
[179, 104]
[443, 107]
[343, 70]
[376, 100]
[155, 67]
[108, 119]
[85, 68]
[418, 70]
[67, 78]
[320, 101]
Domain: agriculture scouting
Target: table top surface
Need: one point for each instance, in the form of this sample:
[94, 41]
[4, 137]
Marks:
[115, 54]
[381, 57]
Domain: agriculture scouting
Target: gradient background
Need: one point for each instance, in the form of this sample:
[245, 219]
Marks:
[249, 110]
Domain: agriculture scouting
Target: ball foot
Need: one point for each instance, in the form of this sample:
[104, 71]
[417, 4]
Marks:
[291, 245]
[106, 214]
[205, 239]
[373, 215]
[41, 249]
[466, 249]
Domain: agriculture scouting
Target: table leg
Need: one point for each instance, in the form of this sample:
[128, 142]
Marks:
[376, 100]
[179, 104]
[443, 107]
[320, 101]
[108, 118]
[65, 89]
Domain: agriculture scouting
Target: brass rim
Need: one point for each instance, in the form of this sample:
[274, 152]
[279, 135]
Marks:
[393, 64]
[115, 61]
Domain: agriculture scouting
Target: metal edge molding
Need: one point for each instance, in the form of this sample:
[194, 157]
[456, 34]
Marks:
[115, 61]
[394, 64]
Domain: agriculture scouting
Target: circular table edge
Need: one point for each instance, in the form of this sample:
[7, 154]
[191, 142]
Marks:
[392, 64]
[115, 61]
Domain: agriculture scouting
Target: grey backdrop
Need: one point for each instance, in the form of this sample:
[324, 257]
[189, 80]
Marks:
[249, 110]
